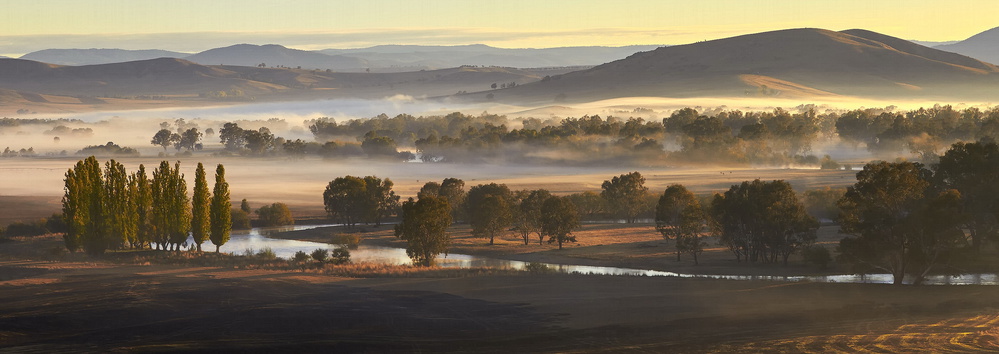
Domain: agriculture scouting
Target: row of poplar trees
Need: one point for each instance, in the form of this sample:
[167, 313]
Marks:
[110, 209]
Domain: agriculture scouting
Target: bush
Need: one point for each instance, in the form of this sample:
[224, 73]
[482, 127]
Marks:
[829, 164]
[340, 255]
[267, 254]
[349, 240]
[240, 220]
[817, 255]
[35, 228]
[320, 255]
[300, 257]
[276, 214]
[535, 267]
[56, 224]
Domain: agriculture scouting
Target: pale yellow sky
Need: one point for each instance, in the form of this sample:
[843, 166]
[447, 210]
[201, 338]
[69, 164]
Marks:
[195, 25]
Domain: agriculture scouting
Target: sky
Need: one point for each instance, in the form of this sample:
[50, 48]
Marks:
[197, 25]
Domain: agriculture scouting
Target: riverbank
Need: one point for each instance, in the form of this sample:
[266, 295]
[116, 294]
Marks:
[637, 246]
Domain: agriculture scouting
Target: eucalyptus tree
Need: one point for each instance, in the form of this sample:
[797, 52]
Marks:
[424, 227]
[897, 222]
[488, 207]
[559, 219]
[679, 217]
[625, 195]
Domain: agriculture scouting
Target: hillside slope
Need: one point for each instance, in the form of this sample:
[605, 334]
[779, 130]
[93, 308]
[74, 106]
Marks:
[274, 55]
[97, 56]
[787, 63]
[178, 77]
[983, 46]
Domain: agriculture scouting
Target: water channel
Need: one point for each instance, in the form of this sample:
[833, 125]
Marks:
[256, 239]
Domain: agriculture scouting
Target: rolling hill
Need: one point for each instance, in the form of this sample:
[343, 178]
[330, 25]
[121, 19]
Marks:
[97, 56]
[983, 46]
[415, 56]
[275, 55]
[383, 58]
[786, 63]
[178, 77]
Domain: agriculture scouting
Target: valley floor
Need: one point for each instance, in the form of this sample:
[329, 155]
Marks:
[77, 303]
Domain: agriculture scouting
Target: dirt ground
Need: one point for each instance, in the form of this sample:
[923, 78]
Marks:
[80, 303]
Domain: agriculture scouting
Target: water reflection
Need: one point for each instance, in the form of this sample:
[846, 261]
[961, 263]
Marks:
[256, 240]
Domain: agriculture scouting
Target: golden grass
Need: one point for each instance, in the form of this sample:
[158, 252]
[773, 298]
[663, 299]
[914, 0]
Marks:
[974, 334]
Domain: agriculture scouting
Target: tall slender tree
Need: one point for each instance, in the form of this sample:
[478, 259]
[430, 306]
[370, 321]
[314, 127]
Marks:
[74, 207]
[142, 202]
[95, 228]
[180, 209]
[117, 208]
[219, 213]
[200, 214]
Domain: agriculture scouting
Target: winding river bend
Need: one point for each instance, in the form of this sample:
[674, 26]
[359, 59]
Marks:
[256, 239]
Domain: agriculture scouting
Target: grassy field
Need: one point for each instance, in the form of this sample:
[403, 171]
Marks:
[161, 301]
[79, 303]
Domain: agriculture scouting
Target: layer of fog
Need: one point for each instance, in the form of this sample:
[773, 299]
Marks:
[286, 119]
[302, 181]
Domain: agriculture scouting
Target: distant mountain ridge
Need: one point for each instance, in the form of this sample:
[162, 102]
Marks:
[378, 58]
[983, 46]
[787, 63]
[94, 56]
[179, 77]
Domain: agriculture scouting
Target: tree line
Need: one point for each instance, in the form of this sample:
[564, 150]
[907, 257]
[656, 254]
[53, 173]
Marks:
[778, 137]
[110, 209]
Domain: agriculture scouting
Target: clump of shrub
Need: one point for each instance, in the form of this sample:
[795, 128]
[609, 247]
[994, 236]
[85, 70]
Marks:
[817, 255]
[276, 214]
[535, 267]
[300, 257]
[52, 224]
[344, 239]
[267, 254]
[320, 255]
[339, 255]
[240, 219]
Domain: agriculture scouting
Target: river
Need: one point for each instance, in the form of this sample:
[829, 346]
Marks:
[256, 239]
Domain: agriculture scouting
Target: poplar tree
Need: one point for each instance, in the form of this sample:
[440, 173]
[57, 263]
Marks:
[171, 214]
[159, 220]
[74, 210]
[142, 202]
[200, 215]
[180, 211]
[118, 213]
[95, 227]
[219, 213]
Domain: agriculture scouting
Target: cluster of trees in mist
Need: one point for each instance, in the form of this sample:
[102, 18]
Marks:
[779, 137]
[718, 136]
[902, 217]
[108, 209]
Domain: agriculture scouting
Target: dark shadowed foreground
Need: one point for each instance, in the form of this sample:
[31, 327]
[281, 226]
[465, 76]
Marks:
[72, 307]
